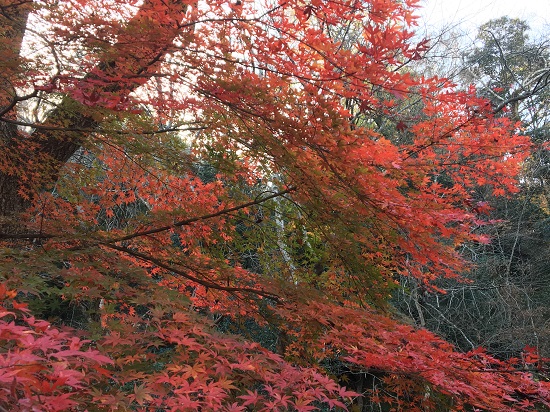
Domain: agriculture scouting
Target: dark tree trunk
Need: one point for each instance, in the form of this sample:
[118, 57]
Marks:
[13, 19]
[70, 124]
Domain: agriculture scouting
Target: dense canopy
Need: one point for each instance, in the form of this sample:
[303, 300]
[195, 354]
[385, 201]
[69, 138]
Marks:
[206, 206]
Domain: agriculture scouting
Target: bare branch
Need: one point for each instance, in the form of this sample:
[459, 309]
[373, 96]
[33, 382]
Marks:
[540, 83]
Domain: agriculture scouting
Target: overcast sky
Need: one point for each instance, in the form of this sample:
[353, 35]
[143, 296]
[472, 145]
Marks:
[472, 13]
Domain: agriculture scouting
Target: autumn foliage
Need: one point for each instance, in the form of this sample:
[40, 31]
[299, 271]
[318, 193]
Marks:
[206, 206]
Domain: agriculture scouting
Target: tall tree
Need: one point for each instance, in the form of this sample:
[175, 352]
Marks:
[505, 308]
[511, 69]
[113, 112]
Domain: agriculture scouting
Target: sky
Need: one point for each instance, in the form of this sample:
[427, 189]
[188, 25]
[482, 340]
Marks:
[471, 13]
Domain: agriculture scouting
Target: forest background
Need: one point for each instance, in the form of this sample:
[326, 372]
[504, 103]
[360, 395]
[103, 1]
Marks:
[249, 206]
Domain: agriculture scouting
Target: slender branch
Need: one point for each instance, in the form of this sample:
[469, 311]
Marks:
[37, 235]
[186, 222]
[111, 244]
[541, 83]
[523, 370]
[417, 372]
[503, 58]
[184, 274]
[98, 130]
[435, 141]
[17, 99]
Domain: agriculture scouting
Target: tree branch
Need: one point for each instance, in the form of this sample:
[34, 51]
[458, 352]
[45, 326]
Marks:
[179, 272]
[186, 222]
[16, 99]
[540, 83]
[51, 128]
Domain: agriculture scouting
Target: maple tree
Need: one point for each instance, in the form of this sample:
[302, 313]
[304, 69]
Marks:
[171, 167]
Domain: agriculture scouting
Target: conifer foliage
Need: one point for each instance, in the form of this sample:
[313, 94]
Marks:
[201, 209]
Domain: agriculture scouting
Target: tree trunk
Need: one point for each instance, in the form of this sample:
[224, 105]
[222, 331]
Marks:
[69, 125]
[13, 21]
